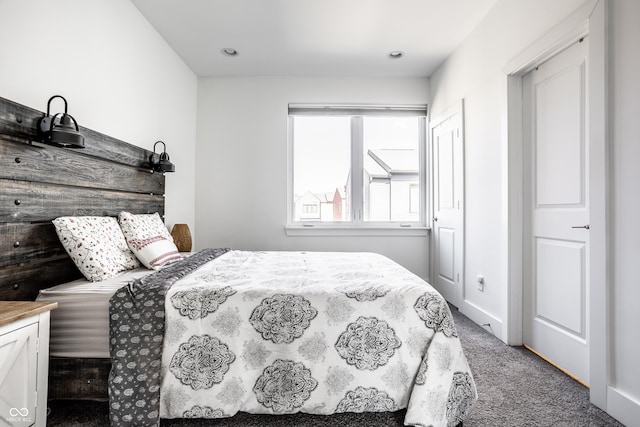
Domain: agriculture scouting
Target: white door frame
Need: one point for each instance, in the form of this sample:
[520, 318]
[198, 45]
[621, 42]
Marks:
[591, 20]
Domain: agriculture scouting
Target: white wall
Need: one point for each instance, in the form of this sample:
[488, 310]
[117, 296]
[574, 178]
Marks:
[241, 182]
[118, 75]
[475, 72]
[625, 144]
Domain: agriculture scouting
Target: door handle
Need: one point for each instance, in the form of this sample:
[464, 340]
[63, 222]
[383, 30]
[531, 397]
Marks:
[435, 219]
[581, 226]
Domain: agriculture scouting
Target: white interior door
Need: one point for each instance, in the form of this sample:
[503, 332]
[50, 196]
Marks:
[448, 204]
[556, 207]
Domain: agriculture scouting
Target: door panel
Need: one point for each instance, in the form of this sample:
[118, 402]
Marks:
[446, 255]
[556, 187]
[445, 180]
[448, 218]
[560, 140]
[560, 272]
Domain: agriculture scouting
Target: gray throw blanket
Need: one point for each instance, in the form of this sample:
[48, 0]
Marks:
[136, 328]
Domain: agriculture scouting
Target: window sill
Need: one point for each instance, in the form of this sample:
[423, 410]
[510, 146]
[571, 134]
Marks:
[350, 230]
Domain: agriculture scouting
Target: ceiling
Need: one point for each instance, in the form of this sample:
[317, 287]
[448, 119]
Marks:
[314, 37]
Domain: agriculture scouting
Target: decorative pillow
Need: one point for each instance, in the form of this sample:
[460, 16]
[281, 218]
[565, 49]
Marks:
[96, 245]
[149, 239]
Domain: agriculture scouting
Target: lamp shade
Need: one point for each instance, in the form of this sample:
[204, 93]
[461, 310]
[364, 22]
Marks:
[60, 129]
[163, 164]
[181, 237]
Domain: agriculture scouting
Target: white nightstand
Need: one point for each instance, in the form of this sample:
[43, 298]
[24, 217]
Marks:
[24, 361]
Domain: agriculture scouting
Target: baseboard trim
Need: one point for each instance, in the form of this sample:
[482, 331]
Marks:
[488, 321]
[622, 407]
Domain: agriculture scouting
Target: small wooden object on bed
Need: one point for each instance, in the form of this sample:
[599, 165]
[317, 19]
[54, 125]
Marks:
[40, 182]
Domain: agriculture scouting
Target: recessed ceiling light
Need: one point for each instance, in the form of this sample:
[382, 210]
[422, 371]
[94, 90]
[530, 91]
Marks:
[228, 51]
[396, 54]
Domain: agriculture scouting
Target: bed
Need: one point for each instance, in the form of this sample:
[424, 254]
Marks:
[225, 331]
[222, 330]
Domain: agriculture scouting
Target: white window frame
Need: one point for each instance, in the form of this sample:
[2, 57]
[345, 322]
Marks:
[356, 226]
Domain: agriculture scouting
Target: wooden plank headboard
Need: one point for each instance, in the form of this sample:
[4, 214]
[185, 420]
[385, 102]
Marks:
[40, 182]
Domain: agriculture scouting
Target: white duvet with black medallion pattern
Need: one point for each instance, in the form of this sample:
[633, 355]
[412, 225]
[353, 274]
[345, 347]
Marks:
[284, 332]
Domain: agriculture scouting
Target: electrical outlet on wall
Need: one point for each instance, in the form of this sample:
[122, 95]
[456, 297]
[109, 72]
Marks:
[480, 280]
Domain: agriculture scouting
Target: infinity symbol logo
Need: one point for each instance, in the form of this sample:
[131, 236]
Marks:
[14, 412]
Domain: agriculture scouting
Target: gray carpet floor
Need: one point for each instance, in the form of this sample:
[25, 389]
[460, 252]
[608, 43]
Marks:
[515, 388]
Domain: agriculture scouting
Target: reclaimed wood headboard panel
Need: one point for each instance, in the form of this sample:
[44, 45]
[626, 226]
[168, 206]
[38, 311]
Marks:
[40, 182]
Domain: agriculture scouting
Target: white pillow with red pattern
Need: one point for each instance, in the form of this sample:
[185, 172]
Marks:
[149, 239]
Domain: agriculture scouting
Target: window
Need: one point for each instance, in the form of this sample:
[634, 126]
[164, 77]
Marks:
[357, 166]
[310, 208]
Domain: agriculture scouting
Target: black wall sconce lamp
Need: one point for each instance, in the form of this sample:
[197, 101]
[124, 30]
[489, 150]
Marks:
[60, 129]
[163, 164]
